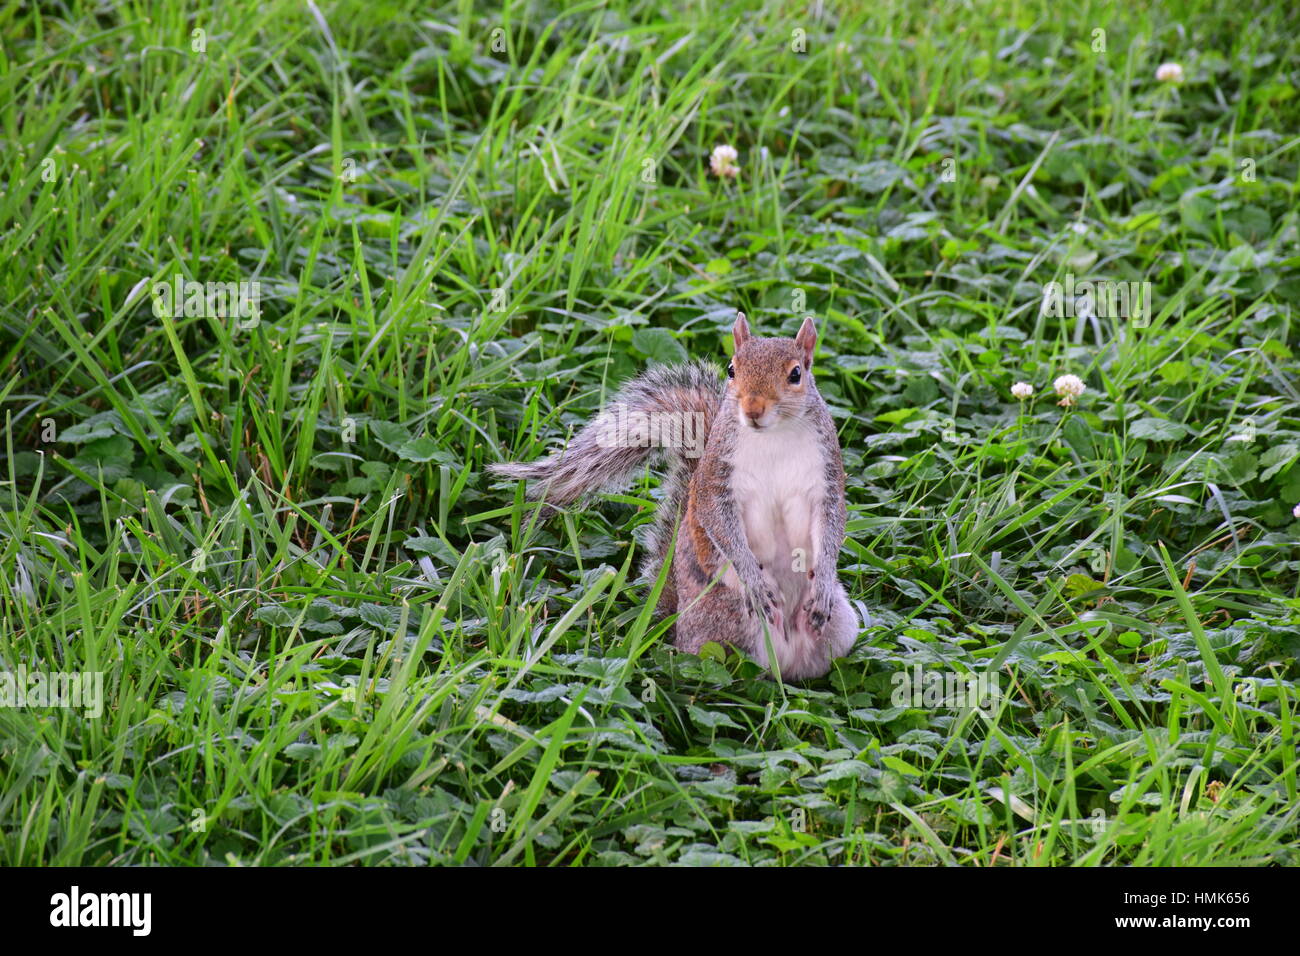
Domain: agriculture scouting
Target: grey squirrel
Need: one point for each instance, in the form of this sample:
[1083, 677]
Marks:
[762, 509]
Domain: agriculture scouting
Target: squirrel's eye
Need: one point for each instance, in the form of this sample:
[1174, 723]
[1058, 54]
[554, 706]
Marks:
[794, 375]
[731, 371]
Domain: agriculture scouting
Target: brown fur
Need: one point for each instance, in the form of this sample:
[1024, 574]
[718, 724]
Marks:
[585, 466]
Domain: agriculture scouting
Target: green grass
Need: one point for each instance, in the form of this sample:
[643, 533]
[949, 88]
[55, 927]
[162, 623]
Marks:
[327, 637]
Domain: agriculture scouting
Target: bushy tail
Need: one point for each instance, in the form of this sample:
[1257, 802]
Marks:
[661, 416]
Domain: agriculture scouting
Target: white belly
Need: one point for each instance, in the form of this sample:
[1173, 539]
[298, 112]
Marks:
[779, 480]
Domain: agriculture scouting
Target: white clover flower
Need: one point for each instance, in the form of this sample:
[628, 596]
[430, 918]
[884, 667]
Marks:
[1022, 390]
[723, 161]
[1169, 73]
[1069, 387]
[1296, 511]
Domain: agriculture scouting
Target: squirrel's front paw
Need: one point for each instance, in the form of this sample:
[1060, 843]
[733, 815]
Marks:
[766, 605]
[776, 620]
[816, 609]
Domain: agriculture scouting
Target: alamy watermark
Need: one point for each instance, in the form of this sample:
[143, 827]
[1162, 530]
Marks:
[930, 689]
[1104, 299]
[192, 299]
[624, 427]
[24, 688]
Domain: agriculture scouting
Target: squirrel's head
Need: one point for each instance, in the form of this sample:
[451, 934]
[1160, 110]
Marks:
[771, 378]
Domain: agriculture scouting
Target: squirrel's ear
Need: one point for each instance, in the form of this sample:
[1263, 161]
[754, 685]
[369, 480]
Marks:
[740, 330]
[806, 340]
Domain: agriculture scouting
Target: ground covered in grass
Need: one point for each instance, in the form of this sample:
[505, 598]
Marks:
[326, 636]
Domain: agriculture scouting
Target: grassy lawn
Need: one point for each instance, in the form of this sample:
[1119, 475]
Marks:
[260, 522]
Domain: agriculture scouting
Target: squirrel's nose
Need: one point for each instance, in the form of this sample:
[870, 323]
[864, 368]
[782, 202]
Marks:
[755, 412]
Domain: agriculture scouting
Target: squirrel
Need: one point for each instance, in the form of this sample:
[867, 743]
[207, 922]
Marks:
[762, 510]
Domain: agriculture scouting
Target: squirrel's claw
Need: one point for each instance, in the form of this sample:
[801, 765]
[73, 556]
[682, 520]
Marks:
[816, 610]
[766, 606]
